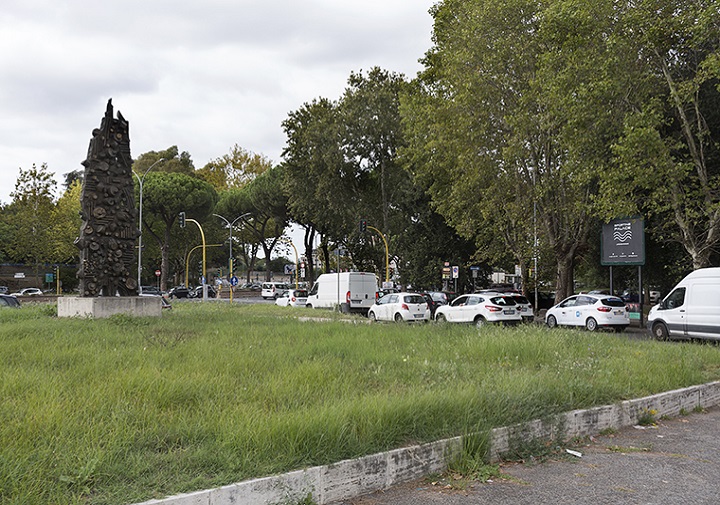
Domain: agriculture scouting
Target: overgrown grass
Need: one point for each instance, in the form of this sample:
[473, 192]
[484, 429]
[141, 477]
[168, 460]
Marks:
[123, 410]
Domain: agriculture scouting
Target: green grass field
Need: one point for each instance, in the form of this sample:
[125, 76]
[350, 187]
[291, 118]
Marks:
[123, 410]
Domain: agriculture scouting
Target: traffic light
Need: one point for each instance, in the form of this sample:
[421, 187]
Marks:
[363, 225]
[182, 219]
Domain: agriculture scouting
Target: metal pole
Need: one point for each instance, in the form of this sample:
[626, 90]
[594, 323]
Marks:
[640, 294]
[204, 260]
[231, 263]
[535, 243]
[140, 245]
[387, 253]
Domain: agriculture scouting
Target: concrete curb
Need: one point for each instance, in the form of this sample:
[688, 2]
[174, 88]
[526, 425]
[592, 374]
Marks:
[352, 478]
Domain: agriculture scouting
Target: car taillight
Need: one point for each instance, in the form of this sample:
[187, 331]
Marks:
[493, 308]
[404, 307]
[347, 298]
[293, 299]
[604, 309]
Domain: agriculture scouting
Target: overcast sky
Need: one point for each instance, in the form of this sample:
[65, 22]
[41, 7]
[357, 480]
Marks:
[201, 75]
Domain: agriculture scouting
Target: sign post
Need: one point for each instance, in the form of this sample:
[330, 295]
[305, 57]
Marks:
[623, 243]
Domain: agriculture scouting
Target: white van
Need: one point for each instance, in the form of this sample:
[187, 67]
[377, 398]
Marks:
[273, 289]
[351, 291]
[691, 310]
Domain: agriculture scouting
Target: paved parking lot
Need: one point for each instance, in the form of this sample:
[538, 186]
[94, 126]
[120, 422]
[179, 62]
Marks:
[676, 462]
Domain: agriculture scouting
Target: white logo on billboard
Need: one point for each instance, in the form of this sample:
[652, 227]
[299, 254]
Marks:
[622, 233]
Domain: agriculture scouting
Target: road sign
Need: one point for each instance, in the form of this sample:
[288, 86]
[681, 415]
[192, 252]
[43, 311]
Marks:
[234, 280]
[455, 272]
[157, 273]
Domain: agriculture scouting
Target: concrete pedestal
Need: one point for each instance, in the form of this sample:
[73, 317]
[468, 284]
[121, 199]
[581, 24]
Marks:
[139, 306]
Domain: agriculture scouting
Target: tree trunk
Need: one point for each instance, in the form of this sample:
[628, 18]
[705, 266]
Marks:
[565, 277]
[326, 255]
[310, 267]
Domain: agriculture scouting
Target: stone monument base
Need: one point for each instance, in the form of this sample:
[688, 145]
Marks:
[99, 307]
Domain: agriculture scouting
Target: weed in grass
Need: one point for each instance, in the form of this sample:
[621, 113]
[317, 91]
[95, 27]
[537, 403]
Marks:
[647, 417]
[306, 499]
[84, 478]
[628, 449]
[168, 338]
[608, 431]
[699, 409]
[683, 412]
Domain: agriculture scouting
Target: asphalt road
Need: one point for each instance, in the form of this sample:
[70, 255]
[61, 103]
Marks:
[677, 462]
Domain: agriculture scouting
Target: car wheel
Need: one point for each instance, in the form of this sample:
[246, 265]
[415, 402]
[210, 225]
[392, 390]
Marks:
[660, 331]
[591, 324]
[440, 318]
[398, 318]
[551, 322]
[479, 322]
[371, 317]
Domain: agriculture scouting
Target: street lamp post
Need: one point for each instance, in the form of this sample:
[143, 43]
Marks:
[140, 246]
[231, 265]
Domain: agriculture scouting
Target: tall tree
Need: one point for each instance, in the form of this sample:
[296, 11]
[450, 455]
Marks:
[318, 182]
[30, 213]
[668, 161]
[165, 196]
[234, 170]
[173, 161]
[372, 135]
[514, 110]
[265, 201]
[66, 223]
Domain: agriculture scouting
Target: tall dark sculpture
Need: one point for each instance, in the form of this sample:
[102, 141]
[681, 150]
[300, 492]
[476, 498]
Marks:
[108, 232]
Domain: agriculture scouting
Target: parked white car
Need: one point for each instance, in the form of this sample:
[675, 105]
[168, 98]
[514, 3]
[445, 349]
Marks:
[400, 307]
[28, 292]
[524, 307]
[590, 311]
[292, 298]
[480, 308]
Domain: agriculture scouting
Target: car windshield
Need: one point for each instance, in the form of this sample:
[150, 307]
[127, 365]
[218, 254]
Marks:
[613, 302]
[521, 299]
[502, 300]
[300, 293]
[414, 299]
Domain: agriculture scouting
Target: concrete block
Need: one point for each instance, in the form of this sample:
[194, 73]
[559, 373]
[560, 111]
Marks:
[101, 307]
[287, 488]
[196, 498]
[353, 477]
[709, 394]
[416, 461]
[580, 423]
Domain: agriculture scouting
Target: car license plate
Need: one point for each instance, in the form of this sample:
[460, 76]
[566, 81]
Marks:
[418, 316]
[619, 312]
[509, 312]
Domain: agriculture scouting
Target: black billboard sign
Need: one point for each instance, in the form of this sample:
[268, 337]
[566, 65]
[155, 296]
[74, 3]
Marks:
[623, 242]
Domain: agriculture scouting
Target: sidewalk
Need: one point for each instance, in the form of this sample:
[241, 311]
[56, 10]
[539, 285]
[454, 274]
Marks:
[676, 462]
